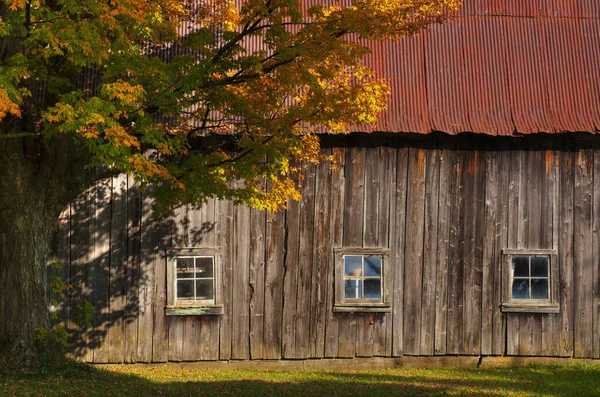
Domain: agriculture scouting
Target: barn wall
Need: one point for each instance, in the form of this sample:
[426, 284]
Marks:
[444, 209]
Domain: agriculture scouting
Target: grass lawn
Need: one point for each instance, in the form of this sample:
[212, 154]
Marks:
[581, 379]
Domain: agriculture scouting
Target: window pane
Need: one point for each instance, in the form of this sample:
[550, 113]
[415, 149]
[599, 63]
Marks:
[352, 289]
[372, 266]
[520, 265]
[539, 266]
[204, 289]
[520, 289]
[185, 289]
[204, 267]
[373, 288]
[353, 265]
[185, 267]
[539, 288]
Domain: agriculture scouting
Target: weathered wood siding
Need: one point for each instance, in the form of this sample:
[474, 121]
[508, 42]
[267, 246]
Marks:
[444, 208]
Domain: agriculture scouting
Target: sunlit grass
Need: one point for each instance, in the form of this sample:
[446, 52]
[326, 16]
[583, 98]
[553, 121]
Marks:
[579, 379]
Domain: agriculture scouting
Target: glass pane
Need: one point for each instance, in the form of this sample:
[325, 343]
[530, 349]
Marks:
[353, 265]
[539, 266]
[204, 267]
[520, 266]
[373, 288]
[520, 289]
[372, 266]
[185, 267]
[539, 288]
[185, 289]
[351, 289]
[204, 289]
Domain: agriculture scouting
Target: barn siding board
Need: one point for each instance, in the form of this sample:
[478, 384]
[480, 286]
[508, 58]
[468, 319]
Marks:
[257, 282]
[290, 280]
[456, 256]
[274, 271]
[148, 248]
[582, 255]
[320, 260]
[305, 258]
[430, 241]
[413, 279]
[445, 210]
[335, 239]
[596, 256]
[565, 253]
[240, 286]
[118, 261]
[443, 233]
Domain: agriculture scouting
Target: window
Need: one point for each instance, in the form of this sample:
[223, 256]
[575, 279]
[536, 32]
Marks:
[361, 280]
[529, 285]
[193, 282]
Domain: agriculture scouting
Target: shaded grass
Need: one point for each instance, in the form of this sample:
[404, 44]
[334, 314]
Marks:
[70, 379]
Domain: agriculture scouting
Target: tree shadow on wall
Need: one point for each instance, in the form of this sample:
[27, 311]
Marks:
[112, 254]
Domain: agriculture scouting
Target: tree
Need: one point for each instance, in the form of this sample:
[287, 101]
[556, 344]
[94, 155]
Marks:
[156, 118]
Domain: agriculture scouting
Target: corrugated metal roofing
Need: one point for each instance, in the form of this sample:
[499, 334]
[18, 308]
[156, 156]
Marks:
[499, 67]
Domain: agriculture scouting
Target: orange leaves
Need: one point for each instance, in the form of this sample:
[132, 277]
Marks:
[7, 106]
[121, 138]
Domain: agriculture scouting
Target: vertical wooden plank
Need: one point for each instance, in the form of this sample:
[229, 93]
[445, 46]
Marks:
[132, 276]
[240, 349]
[430, 249]
[444, 211]
[321, 253]
[366, 321]
[160, 333]
[102, 227]
[334, 239]
[257, 282]
[473, 242]
[148, 252]
[63, 255]
[415, 215]
[549, 238]
[382, 331]
[228, 244]
[274, 268]
[489, 248]
[512, 320]
[118, 262]
[353, 234]
[290, 279]
[596, 254]
[582, 254]
[209, 236]
[305, 257]
[456, 256]
[179, 238]
[82, 273]
[398, 244]
[565, 252]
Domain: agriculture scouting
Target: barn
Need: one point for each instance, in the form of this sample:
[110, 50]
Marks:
[465, 223]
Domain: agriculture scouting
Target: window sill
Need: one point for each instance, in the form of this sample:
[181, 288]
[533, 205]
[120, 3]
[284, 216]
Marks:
[207, 310]
[364, 308]
[530, 308]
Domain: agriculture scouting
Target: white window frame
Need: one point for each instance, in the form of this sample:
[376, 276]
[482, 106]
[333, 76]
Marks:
[190, 307]
[528, 305]
[346, 305]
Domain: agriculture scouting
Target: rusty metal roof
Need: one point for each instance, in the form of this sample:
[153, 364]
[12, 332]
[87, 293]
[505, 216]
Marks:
[499, 67]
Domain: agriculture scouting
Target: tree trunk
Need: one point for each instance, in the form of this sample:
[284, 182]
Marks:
[38, 179]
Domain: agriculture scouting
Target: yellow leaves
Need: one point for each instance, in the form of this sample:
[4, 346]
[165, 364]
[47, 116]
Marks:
[7, 106]
[124, 92]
